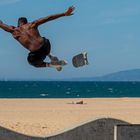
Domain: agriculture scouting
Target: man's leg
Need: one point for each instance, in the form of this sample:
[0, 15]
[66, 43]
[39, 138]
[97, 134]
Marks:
[53, 58]
[41, 65]
[56, 61]
[45, 64]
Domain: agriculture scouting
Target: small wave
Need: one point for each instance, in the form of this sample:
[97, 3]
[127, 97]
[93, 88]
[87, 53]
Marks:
[44, 94]
[68, 92]
[110, 89]
[68, 88]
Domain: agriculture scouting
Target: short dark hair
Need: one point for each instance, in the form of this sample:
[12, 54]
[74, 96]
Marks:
[22, 19]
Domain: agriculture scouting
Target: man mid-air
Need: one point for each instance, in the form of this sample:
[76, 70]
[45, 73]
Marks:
[27, 34]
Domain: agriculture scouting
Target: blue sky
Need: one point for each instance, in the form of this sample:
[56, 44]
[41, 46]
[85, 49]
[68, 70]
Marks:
[108, 30]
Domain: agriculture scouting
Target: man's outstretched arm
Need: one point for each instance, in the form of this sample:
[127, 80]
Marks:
[5, 27]
[52, 17]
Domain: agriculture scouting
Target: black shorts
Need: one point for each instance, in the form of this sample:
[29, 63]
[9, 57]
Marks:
[38, 56]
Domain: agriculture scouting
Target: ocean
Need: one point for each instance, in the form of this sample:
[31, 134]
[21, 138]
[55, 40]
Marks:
[33, 89]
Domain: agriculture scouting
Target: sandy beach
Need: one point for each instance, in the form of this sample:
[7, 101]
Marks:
[42, 117]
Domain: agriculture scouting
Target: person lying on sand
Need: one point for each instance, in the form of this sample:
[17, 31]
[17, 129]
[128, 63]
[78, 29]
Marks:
[78, 102]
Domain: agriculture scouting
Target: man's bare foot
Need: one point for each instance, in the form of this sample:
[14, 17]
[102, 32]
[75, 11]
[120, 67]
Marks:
[60, 62]
[57, 67]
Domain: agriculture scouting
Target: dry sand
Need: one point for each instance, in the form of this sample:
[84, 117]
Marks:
[42, 117]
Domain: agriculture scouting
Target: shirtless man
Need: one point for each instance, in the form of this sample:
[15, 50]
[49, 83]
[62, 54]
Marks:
[27, 34]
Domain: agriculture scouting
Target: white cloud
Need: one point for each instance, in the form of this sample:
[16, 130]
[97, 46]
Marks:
[4, 2]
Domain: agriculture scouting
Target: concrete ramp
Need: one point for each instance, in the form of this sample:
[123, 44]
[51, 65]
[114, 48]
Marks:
[7, 134]
[99, 129]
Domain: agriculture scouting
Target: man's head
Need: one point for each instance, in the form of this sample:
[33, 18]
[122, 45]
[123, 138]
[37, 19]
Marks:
[22, 21]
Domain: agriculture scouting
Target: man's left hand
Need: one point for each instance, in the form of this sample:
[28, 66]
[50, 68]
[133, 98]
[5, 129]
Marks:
[69, 11]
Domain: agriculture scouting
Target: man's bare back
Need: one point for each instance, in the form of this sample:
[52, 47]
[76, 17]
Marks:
[27, 34]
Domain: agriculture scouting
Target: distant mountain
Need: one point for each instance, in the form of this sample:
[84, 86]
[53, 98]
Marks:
[128, 75]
